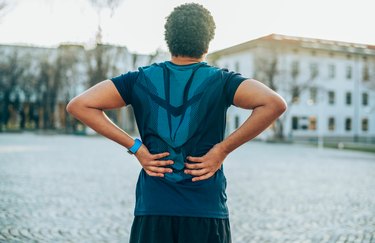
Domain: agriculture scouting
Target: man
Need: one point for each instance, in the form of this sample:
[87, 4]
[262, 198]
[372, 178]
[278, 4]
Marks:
[180, 108]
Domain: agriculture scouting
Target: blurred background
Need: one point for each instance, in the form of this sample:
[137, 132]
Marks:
[310, 176]
[321, 59]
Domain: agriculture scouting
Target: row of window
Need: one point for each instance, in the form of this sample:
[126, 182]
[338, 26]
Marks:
[348, 98]
[331, 69]
[313, 95]
[310, 123]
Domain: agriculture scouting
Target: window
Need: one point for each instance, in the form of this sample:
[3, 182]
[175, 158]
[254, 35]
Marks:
[304, 123]
[364, 99]
[295, 94]
[348, 124]
[312, 123]
[313, 95]
[295, 69]
[314, 70]
[364, 124]
[349, 72]
[348, 98]
[331, 123]
[365, 73]
[236, 122]
[294, 123]
[331, 97]
[237, 67]
[331, 71]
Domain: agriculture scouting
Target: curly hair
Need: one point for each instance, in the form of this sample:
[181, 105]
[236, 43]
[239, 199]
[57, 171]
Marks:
[188, 30]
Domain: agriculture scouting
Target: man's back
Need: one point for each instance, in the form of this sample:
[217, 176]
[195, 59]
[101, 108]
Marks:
[181, 109]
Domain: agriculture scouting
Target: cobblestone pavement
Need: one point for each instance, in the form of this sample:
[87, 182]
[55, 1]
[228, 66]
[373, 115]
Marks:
[69, 188]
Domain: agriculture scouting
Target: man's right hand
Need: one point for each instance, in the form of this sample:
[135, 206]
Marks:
[151, 164]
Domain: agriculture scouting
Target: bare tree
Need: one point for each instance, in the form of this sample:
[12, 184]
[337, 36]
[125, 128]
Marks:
[266, 66]
[99, 6]
[99, 64]
[3, 5]
[268, 69]
[12, 69]
[69, 60]
[46, 93]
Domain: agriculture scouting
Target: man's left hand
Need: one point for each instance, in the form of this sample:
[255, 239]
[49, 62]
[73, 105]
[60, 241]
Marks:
[207, 165]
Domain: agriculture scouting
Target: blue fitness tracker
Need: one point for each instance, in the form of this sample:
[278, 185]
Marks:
[133, 149]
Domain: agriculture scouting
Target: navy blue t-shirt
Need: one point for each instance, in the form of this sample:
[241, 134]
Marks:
[180, 109]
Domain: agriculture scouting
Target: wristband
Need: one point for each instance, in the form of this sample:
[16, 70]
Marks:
[133, 149]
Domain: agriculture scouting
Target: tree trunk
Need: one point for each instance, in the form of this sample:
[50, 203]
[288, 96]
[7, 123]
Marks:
[5, 110]
[279, 130]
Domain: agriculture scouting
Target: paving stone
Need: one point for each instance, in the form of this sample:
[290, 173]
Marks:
[81, 189]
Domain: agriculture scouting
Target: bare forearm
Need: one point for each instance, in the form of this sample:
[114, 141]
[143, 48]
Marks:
[100, 122]
[258, 121]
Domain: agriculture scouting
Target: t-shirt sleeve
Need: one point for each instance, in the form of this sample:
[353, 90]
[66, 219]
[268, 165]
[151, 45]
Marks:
[124, 84]
[232, 81]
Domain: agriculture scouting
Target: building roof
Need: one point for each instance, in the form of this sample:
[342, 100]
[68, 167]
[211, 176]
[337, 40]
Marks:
[302, 42]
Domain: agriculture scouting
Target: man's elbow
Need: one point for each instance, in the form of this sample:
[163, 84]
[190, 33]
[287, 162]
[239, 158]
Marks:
[279, 105]
[72, 106]
[69, 107]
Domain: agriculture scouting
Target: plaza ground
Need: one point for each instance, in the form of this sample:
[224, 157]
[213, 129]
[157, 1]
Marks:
[66, 188]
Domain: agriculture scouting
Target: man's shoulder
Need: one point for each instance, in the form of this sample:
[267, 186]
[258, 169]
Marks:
[210, 69]
[150, 69]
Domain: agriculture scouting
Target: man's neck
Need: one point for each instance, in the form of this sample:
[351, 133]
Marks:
[182, 60]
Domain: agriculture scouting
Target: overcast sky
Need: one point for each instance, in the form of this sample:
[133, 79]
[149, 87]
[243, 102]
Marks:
[139, 24]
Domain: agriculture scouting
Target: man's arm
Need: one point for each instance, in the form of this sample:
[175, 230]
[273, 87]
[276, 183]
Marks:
[267, 106]
[88, 108]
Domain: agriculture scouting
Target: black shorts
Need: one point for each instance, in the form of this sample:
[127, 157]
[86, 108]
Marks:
[175, 229]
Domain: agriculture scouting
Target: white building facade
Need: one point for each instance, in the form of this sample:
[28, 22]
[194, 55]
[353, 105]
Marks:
[329, 85]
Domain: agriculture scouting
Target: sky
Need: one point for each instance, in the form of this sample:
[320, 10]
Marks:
[139, 24]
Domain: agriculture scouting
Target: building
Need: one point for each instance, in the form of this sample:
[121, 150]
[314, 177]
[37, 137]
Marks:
[329, 85]
[36, 83]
